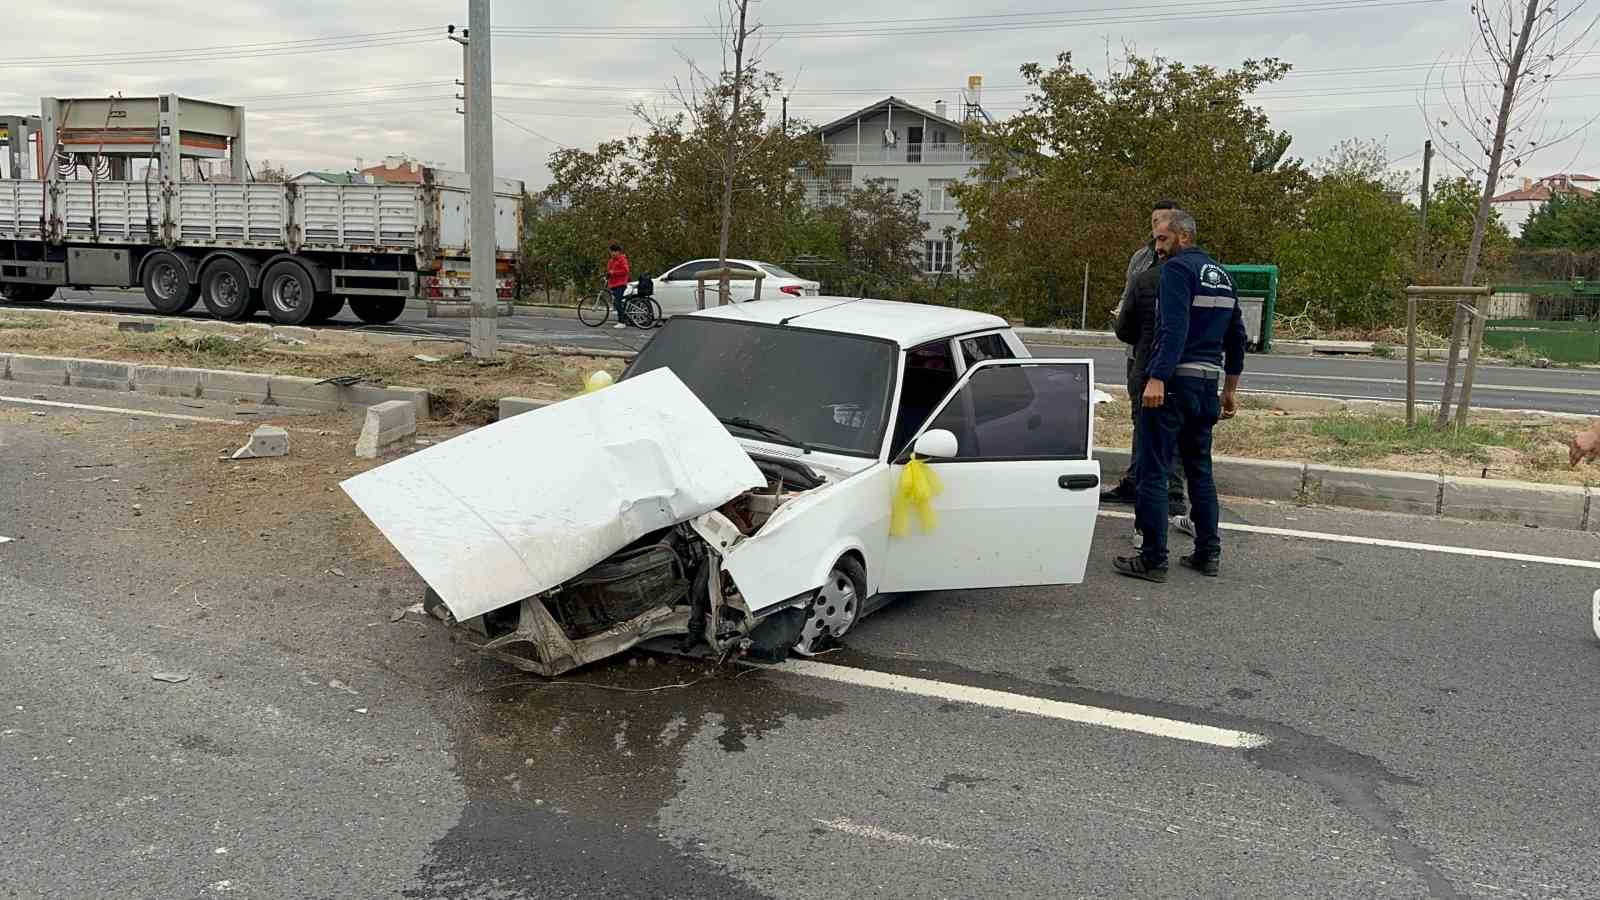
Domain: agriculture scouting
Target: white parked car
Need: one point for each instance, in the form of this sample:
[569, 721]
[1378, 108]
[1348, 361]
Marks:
[675, 288]
[735, 488]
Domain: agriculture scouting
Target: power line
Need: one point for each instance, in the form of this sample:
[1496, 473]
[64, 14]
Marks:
[515, 124]
[219, 54]
[712, 34]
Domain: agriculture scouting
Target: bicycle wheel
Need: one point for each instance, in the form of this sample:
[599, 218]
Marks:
[596, 310]
[640, 312]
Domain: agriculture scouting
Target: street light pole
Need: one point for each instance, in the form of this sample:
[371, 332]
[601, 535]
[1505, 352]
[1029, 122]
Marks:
[480, 141]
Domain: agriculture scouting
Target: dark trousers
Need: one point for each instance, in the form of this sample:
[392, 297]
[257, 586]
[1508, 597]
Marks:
[616, 299]
[1130, 479]
[1180, 427]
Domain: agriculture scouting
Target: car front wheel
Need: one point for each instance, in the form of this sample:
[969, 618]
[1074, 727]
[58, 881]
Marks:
[835, 609]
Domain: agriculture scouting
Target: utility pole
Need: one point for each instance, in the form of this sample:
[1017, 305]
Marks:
[480, 143]
[785, 115]
[1422, 225]
[466, 66]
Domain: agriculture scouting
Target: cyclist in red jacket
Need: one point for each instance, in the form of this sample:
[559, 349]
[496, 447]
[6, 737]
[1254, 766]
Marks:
[617, 277]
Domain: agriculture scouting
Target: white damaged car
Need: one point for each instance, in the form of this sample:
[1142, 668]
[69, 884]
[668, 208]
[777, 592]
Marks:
[735, 488]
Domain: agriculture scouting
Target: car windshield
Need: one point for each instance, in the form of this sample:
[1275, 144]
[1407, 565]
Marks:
[776, 272]
[829, 391]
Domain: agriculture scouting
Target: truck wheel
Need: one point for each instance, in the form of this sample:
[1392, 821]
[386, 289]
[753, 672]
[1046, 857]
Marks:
[166, 285]
[16, 292]
[289, 294]
[377, 310]
[835, 609]
[326, 307]
[225, 290]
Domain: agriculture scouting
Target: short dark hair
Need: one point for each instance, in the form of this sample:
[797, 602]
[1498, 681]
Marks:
[616, 248]
[1165, 203]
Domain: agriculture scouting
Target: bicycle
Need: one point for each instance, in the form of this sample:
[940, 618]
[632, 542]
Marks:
[641, 312]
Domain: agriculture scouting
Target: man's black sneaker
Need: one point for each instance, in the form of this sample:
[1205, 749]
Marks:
[1122, 493]
[1206, 566]
[1139, 567]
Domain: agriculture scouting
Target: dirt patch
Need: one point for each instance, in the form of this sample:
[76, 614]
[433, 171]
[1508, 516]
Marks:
[1518, 447]
[466, 389]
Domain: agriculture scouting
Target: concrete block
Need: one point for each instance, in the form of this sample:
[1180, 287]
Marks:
[232, 386]
[93, 373]
[167, 381]
[511, 406]
[5, 367]
[1373, 489]
[387, 424]
[265, 442]
[39, 369]
[1592, 514]
[1545, 505]
[1262, 479]
[364, 395]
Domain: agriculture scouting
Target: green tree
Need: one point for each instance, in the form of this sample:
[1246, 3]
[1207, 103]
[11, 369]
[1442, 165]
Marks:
[1564, 222]
[1071, 179]
[1452, 209]
[660, 192]
[1346, 262]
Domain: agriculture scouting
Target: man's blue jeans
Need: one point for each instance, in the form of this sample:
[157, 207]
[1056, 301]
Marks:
[1181, 428]
[617, 293]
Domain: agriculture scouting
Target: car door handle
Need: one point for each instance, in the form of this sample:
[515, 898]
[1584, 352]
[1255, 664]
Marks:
[1079, 482]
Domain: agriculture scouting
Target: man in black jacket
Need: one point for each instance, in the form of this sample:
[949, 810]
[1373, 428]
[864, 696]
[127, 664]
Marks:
[1135, 326]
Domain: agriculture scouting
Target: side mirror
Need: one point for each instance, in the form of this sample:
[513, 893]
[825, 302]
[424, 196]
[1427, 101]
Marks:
[937, 444]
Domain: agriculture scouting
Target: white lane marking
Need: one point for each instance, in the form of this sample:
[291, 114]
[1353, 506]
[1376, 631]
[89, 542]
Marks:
[880, 834]
[1033, 706]
[1397, 545]
[5, 540]
[114, 410]
[1597, 614]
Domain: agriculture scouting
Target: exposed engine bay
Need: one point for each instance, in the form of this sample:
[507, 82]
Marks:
[669, 582]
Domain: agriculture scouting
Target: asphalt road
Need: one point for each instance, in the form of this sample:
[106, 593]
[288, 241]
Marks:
[1498, 387]
[1429, 718]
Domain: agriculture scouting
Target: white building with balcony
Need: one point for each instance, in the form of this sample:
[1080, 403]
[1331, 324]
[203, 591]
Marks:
[910, 148]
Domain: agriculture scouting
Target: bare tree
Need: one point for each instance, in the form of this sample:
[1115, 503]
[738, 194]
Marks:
[1492, 119]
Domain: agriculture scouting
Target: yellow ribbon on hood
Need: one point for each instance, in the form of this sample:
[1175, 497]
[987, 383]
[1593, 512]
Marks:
[916, 490]
[597, 381]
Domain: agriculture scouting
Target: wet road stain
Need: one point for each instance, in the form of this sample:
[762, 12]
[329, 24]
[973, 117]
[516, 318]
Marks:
[956, 779]
[1350, 779]
[1240, 693]
[565, 777]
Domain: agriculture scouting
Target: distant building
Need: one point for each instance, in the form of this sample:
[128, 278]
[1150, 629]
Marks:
[394, 170]
[1516, 206]
[911, 148]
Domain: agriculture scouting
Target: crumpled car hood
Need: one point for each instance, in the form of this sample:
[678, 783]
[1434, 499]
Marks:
[523, 505]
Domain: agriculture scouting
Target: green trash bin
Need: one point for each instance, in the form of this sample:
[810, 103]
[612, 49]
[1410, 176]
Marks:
[1257, 289]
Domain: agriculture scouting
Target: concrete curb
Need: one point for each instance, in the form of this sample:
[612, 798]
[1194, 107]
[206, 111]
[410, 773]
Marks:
[215, 384]
[1569, 507]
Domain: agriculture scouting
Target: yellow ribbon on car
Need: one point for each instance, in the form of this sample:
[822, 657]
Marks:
[915, 492]
[596, 381]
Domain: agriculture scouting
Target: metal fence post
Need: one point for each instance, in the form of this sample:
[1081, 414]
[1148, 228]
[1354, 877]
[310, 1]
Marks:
[1411, 361]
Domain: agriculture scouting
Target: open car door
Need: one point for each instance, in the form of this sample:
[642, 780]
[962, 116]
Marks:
[1021, 490]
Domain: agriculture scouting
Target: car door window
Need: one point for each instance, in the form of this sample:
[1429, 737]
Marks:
[1021, 411]
[685, 272]
[930, 374]
[975, 350]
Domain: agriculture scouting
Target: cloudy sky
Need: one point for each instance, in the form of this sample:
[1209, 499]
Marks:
[329, 82]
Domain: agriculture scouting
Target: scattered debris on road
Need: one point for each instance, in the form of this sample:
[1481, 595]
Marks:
[169, 677]
[425, 358]
[338, 573]
[265, 442]
[338, 685]
[284, 339]
[140, 327]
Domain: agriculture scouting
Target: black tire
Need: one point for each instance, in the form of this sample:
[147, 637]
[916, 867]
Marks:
[326, 307]
[596, 310]
[288, 293]
[377, 310]
[225, 290]
[836, 608]
[166, 285]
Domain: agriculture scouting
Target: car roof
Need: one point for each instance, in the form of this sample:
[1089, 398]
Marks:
[907, 324]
